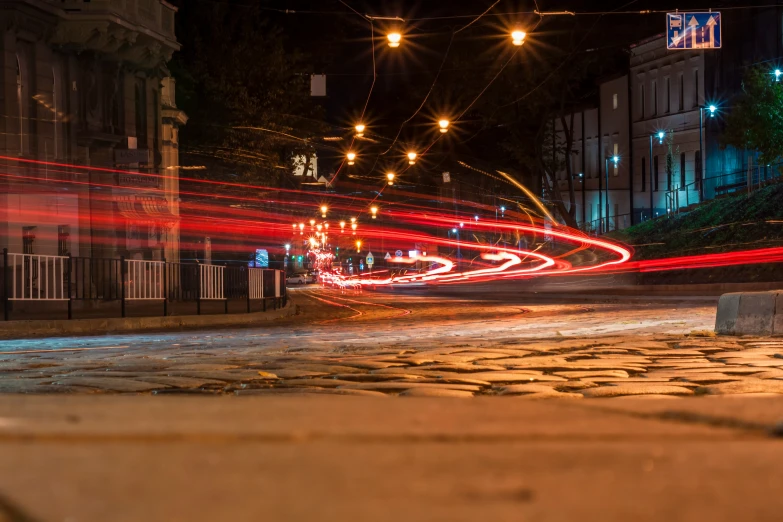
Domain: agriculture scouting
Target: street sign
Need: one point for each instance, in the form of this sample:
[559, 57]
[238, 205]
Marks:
[370, 259]
[398, 253]
[693, 31]
[387, 256]
[127, 156]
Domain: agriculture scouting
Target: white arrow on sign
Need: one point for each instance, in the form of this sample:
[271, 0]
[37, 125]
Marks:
[711, 23]
[693, 24]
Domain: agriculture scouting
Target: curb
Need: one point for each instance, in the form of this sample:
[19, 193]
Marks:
[750, 313]
[62, 327]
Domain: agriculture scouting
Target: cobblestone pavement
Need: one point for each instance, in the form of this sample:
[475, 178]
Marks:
[388, 345]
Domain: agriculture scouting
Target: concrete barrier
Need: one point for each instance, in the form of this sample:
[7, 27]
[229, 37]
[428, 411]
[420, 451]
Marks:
[64, 327]
[750, 313]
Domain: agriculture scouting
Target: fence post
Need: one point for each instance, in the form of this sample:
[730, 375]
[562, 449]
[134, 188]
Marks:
[198, 289]
[68, 287]
[5, 284]
[248, 289]
[225, 289]
[122, 284]
[165, 288]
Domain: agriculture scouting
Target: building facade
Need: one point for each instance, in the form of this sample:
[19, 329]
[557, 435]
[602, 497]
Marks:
[89, 128]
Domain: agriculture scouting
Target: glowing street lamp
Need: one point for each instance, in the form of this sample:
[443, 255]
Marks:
[324, 208]
[444, 126]
[712, 110]
[360, 130]
[518, 37]
[476, 218]
[342, 226]
[312, 223]
[287, 248]
[326, 226]
[351, 158]
[301, 228]
[353, 220]
[319, 227]
[660, 135]
[394, 39]
[374, 211]
[412, 158]
[353, 226]
[358, 246]
[778, 73]
[390, 178]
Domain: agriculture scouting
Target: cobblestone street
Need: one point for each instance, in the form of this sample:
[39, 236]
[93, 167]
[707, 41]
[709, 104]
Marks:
[382, 345]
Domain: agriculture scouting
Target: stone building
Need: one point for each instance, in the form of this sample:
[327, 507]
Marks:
[88, 134]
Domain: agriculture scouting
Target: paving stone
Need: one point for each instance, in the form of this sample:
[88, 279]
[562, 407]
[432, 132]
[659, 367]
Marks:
[305, 391]
[455, 380]
[179, 382]
[636, 389]
[293, 373]
[205, 367]
[514, 377]
[375, 377]
[709, 377]
[537, 391]
[747, 385]
[436, 392]
[585, 374]
[110, 383]
[317, 382]
[407, 386]
[228, 375]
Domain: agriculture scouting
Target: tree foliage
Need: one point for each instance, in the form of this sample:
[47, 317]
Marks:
[756, 119]
[247, 95]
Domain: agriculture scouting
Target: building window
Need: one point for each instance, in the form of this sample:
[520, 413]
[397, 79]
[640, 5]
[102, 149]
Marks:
[28, 240]
[644, 175]
[141, 114]
[655, 98]
[682, 171]
[63, 240]
[614, 101]
[19, 97]
[641, 101]
[656, 177]
[682, 92]
[695, 88]
[667, 107]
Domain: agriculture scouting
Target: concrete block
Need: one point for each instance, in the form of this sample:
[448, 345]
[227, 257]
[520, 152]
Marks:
[777, 324]
[728, 308]
[756, 313]
[750, 313]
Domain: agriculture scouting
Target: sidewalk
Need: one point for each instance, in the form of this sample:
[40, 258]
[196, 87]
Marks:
[124, 458]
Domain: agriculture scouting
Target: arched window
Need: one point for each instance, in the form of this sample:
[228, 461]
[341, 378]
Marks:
[19, 97]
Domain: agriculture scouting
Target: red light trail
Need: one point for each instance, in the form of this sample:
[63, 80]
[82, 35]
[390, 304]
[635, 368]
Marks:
[261, 216]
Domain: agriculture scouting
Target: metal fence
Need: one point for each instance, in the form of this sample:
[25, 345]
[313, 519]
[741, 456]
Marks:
[28, 279]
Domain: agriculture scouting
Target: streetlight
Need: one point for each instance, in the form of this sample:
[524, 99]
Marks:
[351, 158]
[319, 227]
[778, 72]
[660, 136]
[412, 158]
[444, 126]
[390, 178]
[374, 211]
[476, 218]
[518, 37]
[394, 39]
[301, 228]
[342, 226]
[358, 246]
[324, 208]
[360, 130]
[353, 227]
[616, 160]
[312, 223]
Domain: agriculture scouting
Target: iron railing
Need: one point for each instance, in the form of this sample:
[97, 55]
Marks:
[28, 279]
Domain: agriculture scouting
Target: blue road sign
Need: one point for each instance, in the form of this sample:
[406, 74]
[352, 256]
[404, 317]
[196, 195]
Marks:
[693, 30]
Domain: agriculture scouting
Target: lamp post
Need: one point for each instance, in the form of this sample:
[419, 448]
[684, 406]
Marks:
[616, 161]
[700, 174]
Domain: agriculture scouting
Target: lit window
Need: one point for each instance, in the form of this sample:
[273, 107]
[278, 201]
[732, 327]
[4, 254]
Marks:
[614, 101]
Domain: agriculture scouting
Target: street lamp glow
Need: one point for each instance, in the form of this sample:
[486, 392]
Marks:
[342, 224]
[444, 126]
[476, 218]
[453, 230]
[312, 222]
[616, 160]
[461, 225]
[661, 134]
[412, 158]
[712, 109]
[374, 211]
[353, 226]
[324, 208]
[502, 209]
[518, 37]
[287, 247]
[326, 226]
[778, 72]
[360, 130]
[351, 158]
[390, 177]
[353, 220]
[358, 246]
[394, 39]
[319, 227]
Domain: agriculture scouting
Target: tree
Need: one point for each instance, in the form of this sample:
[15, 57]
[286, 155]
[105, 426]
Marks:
[247, 96]
[756, 120]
